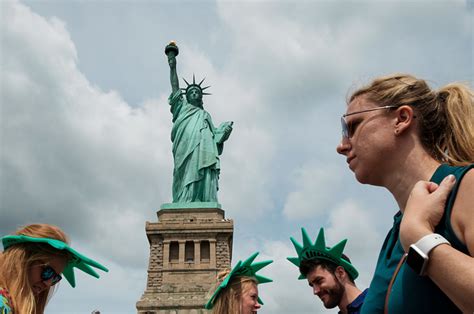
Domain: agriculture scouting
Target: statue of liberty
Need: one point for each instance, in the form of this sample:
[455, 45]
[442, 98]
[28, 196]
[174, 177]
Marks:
[197, 144]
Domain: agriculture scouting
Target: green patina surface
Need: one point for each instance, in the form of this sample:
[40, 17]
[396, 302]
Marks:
[197, 143]
[191, 205]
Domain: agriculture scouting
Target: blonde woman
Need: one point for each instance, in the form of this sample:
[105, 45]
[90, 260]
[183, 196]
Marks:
[236, 290]
[397, 131]
[32, 263]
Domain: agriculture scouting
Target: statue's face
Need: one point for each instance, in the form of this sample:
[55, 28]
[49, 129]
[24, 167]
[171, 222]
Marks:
[194, 96]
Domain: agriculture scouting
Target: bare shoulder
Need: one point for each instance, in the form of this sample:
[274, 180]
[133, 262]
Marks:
[462, 218]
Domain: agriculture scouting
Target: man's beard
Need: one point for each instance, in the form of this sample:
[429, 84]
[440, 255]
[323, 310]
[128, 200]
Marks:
[334, 295]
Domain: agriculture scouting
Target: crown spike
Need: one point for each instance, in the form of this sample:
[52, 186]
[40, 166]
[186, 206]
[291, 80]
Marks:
[259, 265]
[205, 87]
[249, 260]
[206, 94]
[201, 82]
[306, 238]
[338, 248]
[238, 265]
[186, 81]
[294, 260]
[298, 247]
[262, 279]
[194, 80]
[320, 241]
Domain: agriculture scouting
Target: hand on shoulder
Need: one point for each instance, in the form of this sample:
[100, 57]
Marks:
[424, 209]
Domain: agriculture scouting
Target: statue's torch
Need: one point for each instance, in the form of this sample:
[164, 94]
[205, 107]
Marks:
[171, 50]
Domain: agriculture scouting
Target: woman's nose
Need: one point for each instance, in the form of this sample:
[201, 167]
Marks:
[343, 146]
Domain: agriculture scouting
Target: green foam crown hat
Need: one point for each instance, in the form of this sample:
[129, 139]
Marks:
[319, 250]
[246, 268]
[78, 260]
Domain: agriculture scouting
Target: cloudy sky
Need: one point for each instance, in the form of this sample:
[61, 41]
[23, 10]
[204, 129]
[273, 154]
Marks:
[85, 124]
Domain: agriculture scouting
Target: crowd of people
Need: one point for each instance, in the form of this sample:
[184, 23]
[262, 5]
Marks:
[397, 133]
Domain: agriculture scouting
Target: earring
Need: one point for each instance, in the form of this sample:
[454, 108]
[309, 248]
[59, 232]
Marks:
[396, 132]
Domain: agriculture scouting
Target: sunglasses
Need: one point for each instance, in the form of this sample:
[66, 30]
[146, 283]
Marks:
[48, 273]
[346, 132]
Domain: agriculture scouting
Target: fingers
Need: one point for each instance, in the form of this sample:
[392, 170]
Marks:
[432, 187]
[424, 209]
[424, 188]
[445, 187]
[442, 189]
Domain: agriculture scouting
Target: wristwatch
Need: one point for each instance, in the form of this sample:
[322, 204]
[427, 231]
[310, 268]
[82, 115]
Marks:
[418, 253]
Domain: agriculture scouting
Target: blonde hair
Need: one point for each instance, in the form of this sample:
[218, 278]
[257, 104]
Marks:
[229, 299]
[16, 261]
[446, 116]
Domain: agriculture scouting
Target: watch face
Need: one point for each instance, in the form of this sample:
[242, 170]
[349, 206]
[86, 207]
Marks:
[416, 260]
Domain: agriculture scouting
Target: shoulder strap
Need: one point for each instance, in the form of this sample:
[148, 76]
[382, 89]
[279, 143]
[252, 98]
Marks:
[389, 289]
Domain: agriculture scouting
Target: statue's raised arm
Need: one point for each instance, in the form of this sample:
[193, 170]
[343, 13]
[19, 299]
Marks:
[197, 143]
[172, 51]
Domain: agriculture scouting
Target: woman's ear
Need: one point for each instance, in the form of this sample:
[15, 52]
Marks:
[404, 119]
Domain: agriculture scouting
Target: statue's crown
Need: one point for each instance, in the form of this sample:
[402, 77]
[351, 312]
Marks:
[194, 85]
[319, 250]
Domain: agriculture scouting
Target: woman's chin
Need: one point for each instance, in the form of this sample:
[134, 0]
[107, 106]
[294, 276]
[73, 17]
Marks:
[362, 177]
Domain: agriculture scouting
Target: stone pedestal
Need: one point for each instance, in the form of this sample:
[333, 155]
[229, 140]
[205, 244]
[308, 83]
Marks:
[188, 247]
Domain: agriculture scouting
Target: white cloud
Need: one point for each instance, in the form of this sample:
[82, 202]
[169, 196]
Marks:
[75, 155]
[78, 157]
[318, 48]
[314, 185]
[80, 154]
[357, 224]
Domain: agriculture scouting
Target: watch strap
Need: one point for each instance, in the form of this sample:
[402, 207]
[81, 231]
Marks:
[429, 242]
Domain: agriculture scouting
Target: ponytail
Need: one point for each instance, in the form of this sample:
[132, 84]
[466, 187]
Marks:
[458, 146]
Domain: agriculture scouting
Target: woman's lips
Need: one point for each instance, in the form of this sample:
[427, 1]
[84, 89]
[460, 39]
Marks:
[349, 159]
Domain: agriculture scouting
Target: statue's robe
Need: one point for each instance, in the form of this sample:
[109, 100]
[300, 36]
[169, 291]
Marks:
[196, 152]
